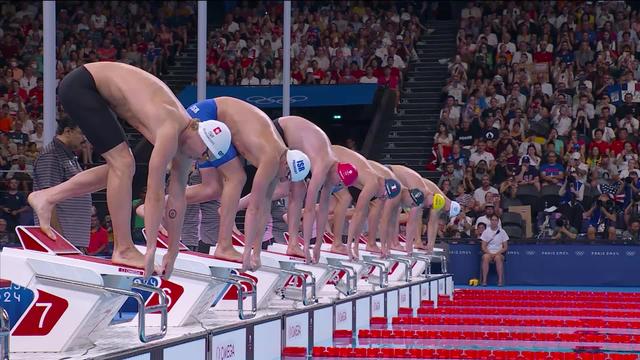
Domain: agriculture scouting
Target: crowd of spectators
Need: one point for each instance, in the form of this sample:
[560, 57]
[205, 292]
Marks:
[146, 34]
[331, 43]
[541, 109]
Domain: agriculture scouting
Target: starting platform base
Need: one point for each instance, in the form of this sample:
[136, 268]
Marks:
[220, 335]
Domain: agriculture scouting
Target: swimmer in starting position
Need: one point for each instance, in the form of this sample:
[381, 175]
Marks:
[93, 95]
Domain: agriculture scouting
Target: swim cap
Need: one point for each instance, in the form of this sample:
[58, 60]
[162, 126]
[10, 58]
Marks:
[348, 173]
[392, 187]
[454, 209]
[299, 165]
[417, 196]
[438, 202]
[216, 135]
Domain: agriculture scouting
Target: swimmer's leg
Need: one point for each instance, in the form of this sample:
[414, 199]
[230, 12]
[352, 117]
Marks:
[294, 213]
[231, 177]
[119, 179]
[373, 221]
[86, 182]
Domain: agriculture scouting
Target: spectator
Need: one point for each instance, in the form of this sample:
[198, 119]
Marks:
[551, 172]
[527, 174]
[494, 248]
[631, 234]
[13, 202]
[601, 218]
[58, 163]
[99, 238]
[6, 238]
[480, 193]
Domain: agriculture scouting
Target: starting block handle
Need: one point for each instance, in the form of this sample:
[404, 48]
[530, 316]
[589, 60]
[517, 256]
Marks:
[408, 262]
[243, 293]
[142, 311]
[5, 332]
[384, 272]
[352, 277]
[290, 269]
[426, 260]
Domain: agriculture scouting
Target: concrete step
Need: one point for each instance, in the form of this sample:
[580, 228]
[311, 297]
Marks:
[419, 117]
[405, 152]
[424, 123]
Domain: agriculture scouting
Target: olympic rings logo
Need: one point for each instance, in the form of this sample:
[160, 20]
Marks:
[261, 100]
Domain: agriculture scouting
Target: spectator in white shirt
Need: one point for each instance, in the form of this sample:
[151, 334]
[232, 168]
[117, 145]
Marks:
[628, 122]
[98, 20]
[28, 81]
[250, 78]
[562, 122]
[369, 78]
[608, 135]
[270, 79]
[489, 210]
[480, 193]
[480, 154]
[494, 246]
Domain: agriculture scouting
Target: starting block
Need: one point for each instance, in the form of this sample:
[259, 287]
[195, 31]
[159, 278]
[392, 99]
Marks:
[74, 297]
[438, 255]
[278, 276]
[239, 291]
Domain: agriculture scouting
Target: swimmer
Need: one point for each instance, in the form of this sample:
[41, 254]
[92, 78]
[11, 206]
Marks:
[256, 139]
[369, 186]
[93, 95]
[437, 201]
[327, 174]
[412, 203]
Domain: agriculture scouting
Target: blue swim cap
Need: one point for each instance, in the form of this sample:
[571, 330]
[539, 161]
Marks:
[392, 188]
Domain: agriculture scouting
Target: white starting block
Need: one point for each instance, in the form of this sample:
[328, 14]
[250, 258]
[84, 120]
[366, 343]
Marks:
[438, 255]
[333, 278]
[76, 296]
[286, 272]
[398, 267]
[367, 269]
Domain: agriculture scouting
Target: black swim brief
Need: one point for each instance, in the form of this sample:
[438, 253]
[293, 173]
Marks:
[81, 100]
[276, 123]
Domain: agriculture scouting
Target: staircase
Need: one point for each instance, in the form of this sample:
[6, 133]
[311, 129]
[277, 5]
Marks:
[185, 69]
[410, 138]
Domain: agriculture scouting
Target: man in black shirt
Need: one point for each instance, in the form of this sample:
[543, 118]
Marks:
[627, 107]
[466, 136]
[12, 204]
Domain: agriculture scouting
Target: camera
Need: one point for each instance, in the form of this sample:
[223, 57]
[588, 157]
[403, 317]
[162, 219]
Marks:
[571, 179]
[628, 180]
[560, 222]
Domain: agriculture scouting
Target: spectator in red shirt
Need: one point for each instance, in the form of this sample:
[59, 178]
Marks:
[17, 90]
[356, 72]
[99, 238]
[617, 145]
[38, 92]
[107, 52]
[390, 81]
[599, 143]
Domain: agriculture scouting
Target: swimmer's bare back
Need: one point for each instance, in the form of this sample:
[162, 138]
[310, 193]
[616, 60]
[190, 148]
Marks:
[409, 177]
[253, 133]
[365, 172]
[139, 98]
[308, 138]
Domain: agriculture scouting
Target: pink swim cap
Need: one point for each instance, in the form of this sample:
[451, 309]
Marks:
[348, 173]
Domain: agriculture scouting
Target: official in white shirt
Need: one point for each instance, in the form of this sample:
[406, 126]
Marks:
[494, 246]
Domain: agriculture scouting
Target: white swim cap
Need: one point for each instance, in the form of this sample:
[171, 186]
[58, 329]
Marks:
[216, 135]
[454, 209]
[299, 165]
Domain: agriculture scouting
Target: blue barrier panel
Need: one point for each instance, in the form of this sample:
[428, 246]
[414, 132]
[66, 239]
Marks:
[301, 95]
[564, 265]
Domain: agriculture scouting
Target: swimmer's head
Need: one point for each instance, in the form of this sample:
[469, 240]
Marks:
[298, 165]
[217, 138]
[417, 197]
[392, 188]
[343, 175]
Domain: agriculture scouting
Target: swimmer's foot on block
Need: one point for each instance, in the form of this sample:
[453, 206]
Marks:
[294, 250]
[43, 210]
[228, 254]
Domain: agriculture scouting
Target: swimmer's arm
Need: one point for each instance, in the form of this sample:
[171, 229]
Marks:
[281, 192]
[207, 190]
[315, 184]
[360, 213]
[432, 229]
[164, 150]
[262, 181]
[322, 215]
[413, 221]
[176, 201]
